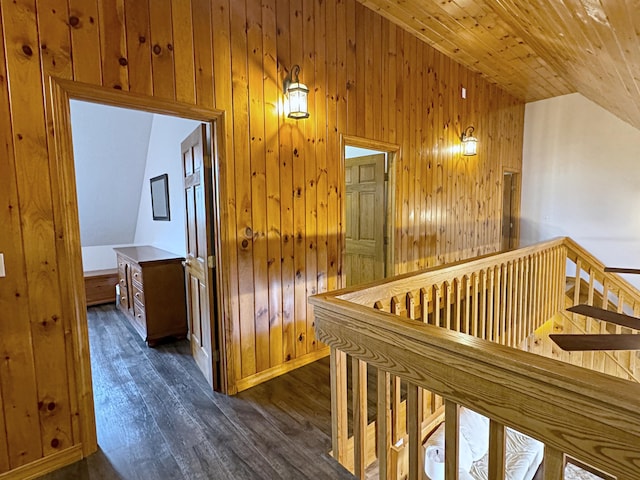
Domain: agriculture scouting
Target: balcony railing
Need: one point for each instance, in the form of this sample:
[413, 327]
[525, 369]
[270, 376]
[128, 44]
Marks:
[449, 337]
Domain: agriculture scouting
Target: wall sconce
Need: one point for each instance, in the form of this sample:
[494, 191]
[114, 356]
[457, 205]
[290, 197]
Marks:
[469, 142]
[296, 95]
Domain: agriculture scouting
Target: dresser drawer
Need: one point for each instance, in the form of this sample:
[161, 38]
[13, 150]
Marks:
[138, 293]
[140, 318]
[136, 274]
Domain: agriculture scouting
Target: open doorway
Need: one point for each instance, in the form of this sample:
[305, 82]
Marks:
[510, 210]
[209, 182]
[368, 207]
[143, 218]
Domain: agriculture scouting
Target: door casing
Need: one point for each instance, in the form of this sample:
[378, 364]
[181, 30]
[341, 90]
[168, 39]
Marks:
[393, 155]
[66, 224]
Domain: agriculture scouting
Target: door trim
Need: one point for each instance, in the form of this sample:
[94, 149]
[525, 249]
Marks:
[66, 224]
[394, 152]
[515, 209]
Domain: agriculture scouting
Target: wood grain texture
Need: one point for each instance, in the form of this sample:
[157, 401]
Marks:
[282, 226]
[158, 418]
[535, 49]
[439, 361]
[444, 302]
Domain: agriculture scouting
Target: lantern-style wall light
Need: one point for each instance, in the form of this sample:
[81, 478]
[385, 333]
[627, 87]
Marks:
[469, 142]
[296, 95]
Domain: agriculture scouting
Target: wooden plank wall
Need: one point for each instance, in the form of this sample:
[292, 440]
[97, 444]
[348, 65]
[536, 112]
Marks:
[368, 78]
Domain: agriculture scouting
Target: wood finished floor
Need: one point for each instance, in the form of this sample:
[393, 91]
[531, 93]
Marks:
[158, 419]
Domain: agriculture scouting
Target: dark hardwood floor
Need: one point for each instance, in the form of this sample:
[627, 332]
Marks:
[158, 419]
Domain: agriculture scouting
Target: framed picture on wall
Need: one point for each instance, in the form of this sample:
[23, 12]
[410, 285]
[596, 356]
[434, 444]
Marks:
[160, 197]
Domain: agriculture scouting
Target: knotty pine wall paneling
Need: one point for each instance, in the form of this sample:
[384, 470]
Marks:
[281, 218]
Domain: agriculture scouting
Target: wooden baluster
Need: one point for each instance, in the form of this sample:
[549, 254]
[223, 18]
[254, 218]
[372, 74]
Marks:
[466, 304]
[536, 291]
[359, 387]
[475, 304]
[634, 355]
[424, 304]
[592, 283]
[513, 287]
[396, 383]
[427, 397]
[509, 326]
[397, 429]
[548, 286]
[498, 323]
[605, 303]
[411, 306]
[483, 305]
[447, 304]
[490, 292]
[396, 306]
[526, 297]
[457, 304]
[497, 450]
[383, 423]
[576, 290]
[539, 290]
[562, 288]
[557, 273]
[436, 305]
[549, 299]
[414, 429]
[553, 464]
[339, 413]
[621, 357]
[520, 293]
[451, 440]
[504, 304]
[560, 281]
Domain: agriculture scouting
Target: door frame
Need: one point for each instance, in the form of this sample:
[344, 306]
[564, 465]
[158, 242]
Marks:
[515, 209]
[66, 224]
[393, 152]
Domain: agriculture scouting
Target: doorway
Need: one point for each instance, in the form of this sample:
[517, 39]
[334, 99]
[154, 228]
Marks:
[368, 206]
[510, 210]
[67, 223]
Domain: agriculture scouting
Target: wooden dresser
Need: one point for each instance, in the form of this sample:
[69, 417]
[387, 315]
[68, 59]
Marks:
[152, 292]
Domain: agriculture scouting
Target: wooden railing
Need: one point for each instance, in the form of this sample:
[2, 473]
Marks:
[485, 305]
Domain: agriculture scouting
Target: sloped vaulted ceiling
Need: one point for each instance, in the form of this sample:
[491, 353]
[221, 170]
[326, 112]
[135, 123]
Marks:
[536, 49]
[110, 152]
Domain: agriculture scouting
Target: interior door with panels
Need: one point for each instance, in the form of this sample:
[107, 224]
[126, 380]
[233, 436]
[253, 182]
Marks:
[364, 259]
[200, 278]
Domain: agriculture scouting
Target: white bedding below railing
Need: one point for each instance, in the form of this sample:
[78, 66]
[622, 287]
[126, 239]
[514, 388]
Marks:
[523, 453]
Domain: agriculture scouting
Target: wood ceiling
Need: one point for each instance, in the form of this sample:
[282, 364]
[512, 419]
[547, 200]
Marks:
[537, 49]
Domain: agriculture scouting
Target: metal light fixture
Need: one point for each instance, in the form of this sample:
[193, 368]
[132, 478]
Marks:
[296, 95]
[469, 142]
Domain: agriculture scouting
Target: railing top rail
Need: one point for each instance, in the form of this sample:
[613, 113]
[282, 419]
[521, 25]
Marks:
[387, 288]
[591, 416]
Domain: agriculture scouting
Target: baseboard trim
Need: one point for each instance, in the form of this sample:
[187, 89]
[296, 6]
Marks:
[45, 465]
[253, 380]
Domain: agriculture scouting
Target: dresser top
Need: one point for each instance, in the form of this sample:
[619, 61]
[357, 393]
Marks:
[147, 254]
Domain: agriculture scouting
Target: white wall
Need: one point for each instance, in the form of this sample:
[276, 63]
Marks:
[581, 178]
[164, 156]
[353, 152]
[110, 150]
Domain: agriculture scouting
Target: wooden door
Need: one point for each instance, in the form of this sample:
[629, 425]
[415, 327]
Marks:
[508, 206]
[365, 219]
[200, 278]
